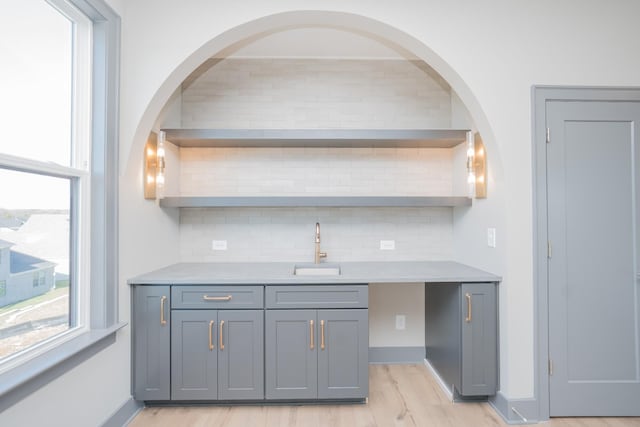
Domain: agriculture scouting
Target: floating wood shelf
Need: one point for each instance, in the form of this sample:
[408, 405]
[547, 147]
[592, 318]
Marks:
[396, 138]
[312, 201]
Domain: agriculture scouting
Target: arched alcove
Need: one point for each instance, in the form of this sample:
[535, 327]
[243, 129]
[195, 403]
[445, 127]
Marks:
[230, 41]
[470, 222]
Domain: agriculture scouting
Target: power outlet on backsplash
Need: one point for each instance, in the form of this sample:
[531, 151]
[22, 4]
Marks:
[219, 245]
[387, 245]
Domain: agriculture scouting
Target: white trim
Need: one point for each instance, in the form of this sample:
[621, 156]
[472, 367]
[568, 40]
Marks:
[515, 411]
[38, 349]
[125, 414]
[438, 379]
[330, 57]
[22, 164]
[26, 372]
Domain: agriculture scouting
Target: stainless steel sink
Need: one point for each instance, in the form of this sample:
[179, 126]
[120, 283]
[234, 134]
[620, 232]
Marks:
[316, 270]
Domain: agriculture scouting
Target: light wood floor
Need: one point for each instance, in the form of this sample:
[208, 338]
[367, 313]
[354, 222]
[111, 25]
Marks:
[399, 395]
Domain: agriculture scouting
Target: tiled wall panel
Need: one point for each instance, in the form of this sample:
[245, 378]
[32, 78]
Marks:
[312, 93]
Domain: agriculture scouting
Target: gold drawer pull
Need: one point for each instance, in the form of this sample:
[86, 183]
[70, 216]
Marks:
[311, 333]
[163, 321]
[221, 339]
[468, 297]
[225, 298]
[211, 346]
[322, 334]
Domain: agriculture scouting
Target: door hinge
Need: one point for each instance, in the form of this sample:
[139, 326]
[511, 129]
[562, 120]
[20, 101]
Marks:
[548, 136]
[550, 367]
[549, 249]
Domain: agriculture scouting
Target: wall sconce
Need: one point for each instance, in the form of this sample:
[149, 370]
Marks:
[154, 165]
[476, 166]
[161, 165]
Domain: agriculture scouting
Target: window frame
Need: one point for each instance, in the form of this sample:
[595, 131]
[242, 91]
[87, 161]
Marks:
[101, 239]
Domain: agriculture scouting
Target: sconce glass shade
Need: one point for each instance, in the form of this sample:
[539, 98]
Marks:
[476, 166]
[160, 154]
[471, 174]
[154, 166]
[150, 166]
[480, 168]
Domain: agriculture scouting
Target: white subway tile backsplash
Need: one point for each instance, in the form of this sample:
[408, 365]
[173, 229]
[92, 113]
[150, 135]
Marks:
[317, 171]
[320, 93]
[348, 234]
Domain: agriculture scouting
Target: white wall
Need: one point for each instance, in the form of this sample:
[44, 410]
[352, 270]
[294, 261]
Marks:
[386, 301]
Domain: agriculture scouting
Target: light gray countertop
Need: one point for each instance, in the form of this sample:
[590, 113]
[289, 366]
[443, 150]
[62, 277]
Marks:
[270, 273]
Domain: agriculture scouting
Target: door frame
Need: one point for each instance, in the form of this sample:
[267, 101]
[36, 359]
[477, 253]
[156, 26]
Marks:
[540, 96]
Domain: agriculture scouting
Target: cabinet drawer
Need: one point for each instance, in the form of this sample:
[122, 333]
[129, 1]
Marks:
[317, 296]
[218, 297]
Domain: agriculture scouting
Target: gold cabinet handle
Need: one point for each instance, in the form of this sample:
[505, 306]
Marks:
[221, 339]
[468, 297]
[163, 321]
[311, 333]
[225, 298]
[211, 346]
[322, 334]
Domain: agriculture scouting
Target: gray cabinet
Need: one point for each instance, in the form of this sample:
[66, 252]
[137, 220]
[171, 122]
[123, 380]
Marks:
[204, 343]
[240, 354]
[291, 356]
[343, 357]
[316, 353]
[151, 337]
[461, 335]
[217, 354]
[194, 355]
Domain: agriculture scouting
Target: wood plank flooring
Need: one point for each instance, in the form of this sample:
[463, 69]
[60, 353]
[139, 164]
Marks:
[399, 396]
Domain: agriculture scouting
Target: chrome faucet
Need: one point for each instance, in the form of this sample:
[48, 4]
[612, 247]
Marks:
[318, 253]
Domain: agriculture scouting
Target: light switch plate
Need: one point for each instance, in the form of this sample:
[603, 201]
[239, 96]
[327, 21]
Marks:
[491, 237]
[387, 245]
[219, 245]
[401, 322]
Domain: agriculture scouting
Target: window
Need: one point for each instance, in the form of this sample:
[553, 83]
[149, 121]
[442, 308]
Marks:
[44, 177]
[58, 174]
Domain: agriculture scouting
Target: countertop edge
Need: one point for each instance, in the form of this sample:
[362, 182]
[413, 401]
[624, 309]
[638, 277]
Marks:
[278, 273]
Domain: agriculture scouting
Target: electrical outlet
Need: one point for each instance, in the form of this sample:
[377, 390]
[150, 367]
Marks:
[387, 245]
[491, 237]
[401, 322]
[219, 245]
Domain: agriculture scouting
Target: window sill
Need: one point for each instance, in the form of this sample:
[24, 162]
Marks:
[24, 379]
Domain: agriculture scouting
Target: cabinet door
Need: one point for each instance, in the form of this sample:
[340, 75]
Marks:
[151, 339]
[240, 354]
[479, 339]
[343, 369]
[194, 355]
[290, 352]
